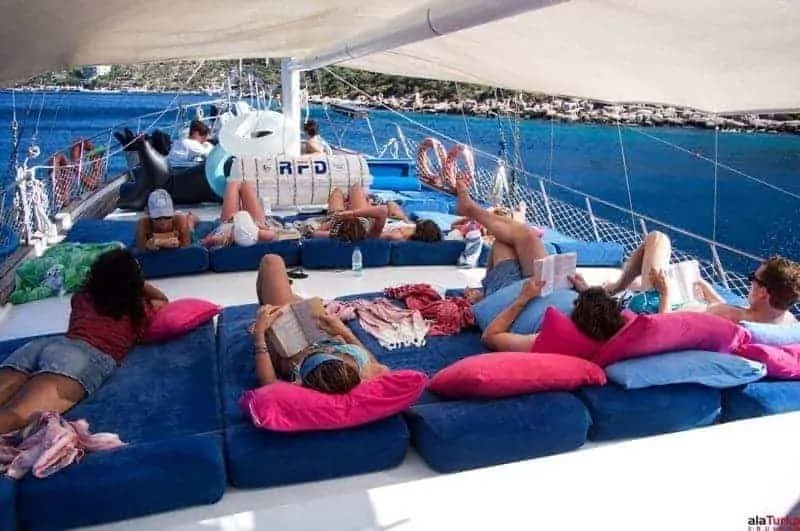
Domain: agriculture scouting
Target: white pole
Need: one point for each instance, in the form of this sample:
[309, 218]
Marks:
[432, 20]
[290, 105]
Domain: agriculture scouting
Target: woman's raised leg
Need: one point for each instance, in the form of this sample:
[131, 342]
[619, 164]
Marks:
[272, 283]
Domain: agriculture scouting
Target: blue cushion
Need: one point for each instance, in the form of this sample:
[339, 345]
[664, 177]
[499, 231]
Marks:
[445, 221]
[593, 254]
[237, 258]
[774, 334]
[174, 262]
[158, 402]
[426, 204]
[396, 183]
[259, 458]
[461, 435]
[711, 369]
[102, 231]
[413, 253]
[759, 399]
[388, 195]
[8, 516]
[618, 413]
[531, 317]
[324, 253]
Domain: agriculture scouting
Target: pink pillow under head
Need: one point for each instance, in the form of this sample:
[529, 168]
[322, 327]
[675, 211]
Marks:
[559, 335]
[499, 374]
[671, 332]
[179, 317]
[289, 407]
[781, 362]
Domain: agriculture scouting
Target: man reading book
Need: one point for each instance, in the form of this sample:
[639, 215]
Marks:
[334, 361]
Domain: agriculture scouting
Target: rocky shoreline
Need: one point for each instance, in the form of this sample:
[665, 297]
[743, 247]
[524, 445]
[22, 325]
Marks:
[566, 110]
[573, 110]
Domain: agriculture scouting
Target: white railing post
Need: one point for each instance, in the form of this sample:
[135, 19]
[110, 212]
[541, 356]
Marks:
[643, 225]
[592, 219]
[718, 266]
[546, 202]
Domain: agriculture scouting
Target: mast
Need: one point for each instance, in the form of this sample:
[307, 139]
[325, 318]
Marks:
[290, 105]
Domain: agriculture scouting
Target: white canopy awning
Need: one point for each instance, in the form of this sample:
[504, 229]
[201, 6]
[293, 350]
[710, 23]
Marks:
[715, 55]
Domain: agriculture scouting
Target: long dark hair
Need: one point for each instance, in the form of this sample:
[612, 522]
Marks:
[426, 231]
[116, 285]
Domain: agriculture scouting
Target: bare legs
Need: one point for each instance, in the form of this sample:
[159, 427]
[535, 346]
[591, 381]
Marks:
[272, 283]
[357, 199]
[241, 195]
[513, 240]
[21, 397]
[10, 382]
[653, 254]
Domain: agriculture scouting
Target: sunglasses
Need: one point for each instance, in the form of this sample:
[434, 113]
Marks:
[752, 277]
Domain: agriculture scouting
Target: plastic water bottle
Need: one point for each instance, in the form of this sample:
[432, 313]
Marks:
[358, 262]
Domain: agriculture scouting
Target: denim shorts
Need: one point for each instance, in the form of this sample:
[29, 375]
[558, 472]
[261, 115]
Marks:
[501, 275]
[72, 358]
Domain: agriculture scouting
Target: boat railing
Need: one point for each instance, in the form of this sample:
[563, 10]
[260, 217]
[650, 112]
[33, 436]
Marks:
[583, 216]
[576, 214]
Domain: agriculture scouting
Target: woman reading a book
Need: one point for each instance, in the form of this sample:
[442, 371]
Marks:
[334, 365]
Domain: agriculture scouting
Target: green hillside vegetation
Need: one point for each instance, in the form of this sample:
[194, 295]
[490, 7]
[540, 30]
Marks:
[171, 76]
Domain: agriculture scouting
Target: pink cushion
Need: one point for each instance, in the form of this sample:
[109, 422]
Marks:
[670, 332]
[179, 317]
[499, 374]
[288, 407]
[559, 335]
[781, 362]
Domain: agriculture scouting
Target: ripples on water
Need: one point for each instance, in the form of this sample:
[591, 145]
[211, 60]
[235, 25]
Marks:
[666, 184]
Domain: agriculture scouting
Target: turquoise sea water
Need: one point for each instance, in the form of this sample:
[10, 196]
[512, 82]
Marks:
[670, 185]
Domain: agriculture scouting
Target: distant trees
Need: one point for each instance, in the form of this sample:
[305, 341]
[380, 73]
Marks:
[212, 74]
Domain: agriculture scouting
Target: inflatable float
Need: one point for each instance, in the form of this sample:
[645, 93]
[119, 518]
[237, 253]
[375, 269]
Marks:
[249, 146]
[150, 169]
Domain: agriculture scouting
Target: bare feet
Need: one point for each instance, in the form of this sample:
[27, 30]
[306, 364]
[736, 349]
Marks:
[464, 203]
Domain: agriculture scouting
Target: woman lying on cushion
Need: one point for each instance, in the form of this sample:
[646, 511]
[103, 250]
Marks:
[109, 315]
[599, 314]
[333, 366]
[242, 219]
[355, 220]
[513, 240]
[163, 228]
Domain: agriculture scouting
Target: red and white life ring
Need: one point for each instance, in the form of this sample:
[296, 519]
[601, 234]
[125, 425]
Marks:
[62, 179]
[451, 172]
[424, 169]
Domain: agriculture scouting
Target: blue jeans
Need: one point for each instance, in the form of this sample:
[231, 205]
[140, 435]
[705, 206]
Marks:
[72, 358]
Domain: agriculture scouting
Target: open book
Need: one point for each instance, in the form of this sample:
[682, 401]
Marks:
[297, 328]
[682, 278]
[555, 270]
